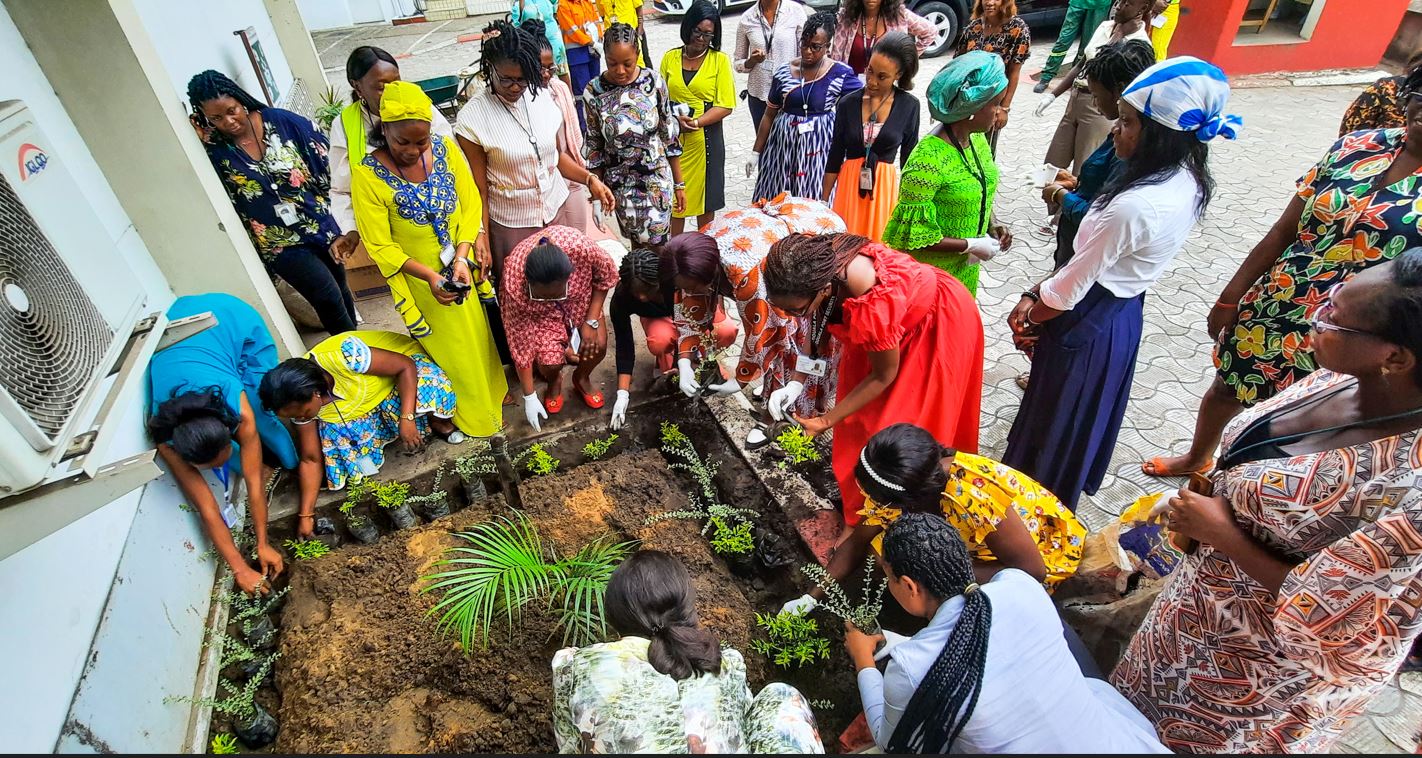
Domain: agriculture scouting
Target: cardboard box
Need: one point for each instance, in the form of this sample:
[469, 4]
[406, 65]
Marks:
[366, 282]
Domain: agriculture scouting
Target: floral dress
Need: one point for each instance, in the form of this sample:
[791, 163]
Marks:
[539, 332]
[293, 169]
[1222, 665]
[1012, 43]
[979, 492]
[364, 415]
[608, 699]
[1348, 224]
[632, 134]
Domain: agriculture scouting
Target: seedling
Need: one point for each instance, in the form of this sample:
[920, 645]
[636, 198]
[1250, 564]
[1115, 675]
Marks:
[240, 702]
[476, 465]
[798, 445]
[732, 526]
[248, 611]
[390, 495]
[598, 448]
[793, 640]
[822, 704]
[537, 460]
[708, 371]
[223, 744]
[357, 490]
[305, 550]
[436, 503]
[330, 109]
[865, 615]
[731, 539]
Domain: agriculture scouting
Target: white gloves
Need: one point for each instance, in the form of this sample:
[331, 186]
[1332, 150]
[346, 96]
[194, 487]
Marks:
[686, 377]
[783, 399]
[983, 248]
[534, 412]
[752, 165]
[728, 387]
[1046, 102]
[619, 410]
[800, 605]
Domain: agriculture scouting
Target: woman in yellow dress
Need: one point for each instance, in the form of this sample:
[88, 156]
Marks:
[1006, 519]
[418, 212]
[699, 76]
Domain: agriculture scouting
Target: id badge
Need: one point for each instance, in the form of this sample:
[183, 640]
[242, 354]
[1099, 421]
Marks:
[575, 341]
[806, 126]
[810, 366]
[446, 256]
[866, 178]
[287, 213]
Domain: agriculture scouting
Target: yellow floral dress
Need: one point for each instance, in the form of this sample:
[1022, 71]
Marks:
[979, 492]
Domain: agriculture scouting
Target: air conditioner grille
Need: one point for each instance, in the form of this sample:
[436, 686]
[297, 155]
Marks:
[52, 337]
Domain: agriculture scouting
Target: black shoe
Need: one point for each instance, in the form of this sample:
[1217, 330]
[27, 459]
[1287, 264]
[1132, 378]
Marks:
[1042, 86]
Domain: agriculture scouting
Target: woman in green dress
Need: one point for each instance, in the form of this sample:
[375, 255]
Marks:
[944, 213]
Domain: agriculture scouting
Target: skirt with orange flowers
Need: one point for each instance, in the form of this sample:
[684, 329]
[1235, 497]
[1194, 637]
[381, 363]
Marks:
[866, 216]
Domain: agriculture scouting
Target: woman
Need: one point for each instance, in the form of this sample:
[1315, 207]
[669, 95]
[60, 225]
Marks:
[1165, 17]
[996, 28]
[910, 337]
[553, 292]
[646, 288]
[944, 212]
[1381, 105]
[872, 128]
[793, 139]
[578, 208]
[1083, 126]
[581, 25]
[862, 23]
[667, 686]
[418, 212]
[633, 140]
[368, 70]
[1107, 75]
[992, 672]
[202, 394]
[699, 76]
[1082, 325]
[510, 134]
[543, 12]
[367, 389]
[1005, 519]
[1298, 604]
[273, 165]
[1260, 321]
[767, 37]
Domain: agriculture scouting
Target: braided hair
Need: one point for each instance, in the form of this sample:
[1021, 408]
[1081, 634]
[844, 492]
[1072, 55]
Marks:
[619, 34]
[650, 595]
[825, 21]
[211, 85]
[1118, 64]
[642, 265]
[505, 43]
[929, 550]
[538, 30]
[801, 265]
[907, 456]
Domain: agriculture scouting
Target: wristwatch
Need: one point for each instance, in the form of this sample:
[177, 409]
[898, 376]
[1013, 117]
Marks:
[594, 323]
[407, 416]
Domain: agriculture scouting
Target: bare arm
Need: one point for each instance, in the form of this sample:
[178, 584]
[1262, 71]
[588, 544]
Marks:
[762, 133]
[1014, 547]
[849, 555]
[883, 369]
[479, 167]
[310, 471]
[1065, 83]
[199, 495]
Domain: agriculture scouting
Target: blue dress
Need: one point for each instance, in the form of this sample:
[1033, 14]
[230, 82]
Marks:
[233, 356]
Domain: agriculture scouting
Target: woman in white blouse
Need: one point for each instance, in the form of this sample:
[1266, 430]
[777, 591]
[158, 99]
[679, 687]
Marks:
[767, 37]
[1082, 325]
[512, 134]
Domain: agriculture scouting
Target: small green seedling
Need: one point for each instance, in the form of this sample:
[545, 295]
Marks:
[305, 550]
[477, 465]
[391, 494]
[537, 460]
[822, 704]
[735, 538]
[357, 490]
[223, 744]
[798, 445]
[598, 448]
[864, 615]
[793, 640]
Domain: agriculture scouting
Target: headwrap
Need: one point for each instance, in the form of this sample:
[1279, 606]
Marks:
[964, 85]
[405, 101]
[1185, 94]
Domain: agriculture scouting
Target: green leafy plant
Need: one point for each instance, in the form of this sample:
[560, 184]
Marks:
[391, 494]
[731, 539]
[329, 109]
[477, 465]
[798, 445]
[822, 704]
[865, 614]
[708, 370]
[357, 490]
[505, 567]
[437, 495]
[247, 610]
[223, 744]
[730, 527]
[537, 460]
[792, 639]
[305, 550]
[598, 448]
[240, 701]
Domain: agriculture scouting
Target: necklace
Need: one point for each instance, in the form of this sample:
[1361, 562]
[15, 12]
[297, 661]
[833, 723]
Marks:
[691, 57]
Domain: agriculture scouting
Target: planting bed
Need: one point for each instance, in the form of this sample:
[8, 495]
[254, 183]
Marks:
[363, 669]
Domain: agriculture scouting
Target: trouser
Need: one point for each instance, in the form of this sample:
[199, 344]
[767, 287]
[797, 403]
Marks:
[1082, 129]
[662, 338]
[583, 67]
[1160, 36]
[757, 109]
[1079, 25]
[311, 271]
[1089, 668]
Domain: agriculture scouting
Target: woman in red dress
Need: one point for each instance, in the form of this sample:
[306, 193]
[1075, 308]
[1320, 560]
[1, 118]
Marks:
[910, 337]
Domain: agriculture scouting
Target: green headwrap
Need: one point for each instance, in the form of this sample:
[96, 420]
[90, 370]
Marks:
[965, 85]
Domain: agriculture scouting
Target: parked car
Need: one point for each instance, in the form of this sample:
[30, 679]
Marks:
[948, 16]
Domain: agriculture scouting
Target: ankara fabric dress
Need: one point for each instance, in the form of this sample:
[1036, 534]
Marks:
[632, 135]
[797, 149]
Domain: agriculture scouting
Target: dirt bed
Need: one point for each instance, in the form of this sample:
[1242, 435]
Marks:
[362, 669]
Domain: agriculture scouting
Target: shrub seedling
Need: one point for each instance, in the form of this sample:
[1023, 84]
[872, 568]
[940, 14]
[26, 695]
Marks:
[598, 448]
[477, 465]
[798, 445]
[822, 704]
[730, 527]
[391, 494]
[330, 108]
[538, 461]
[305, 550]
[865, 615]
[223, 744]
[793, 640]
[731, 539]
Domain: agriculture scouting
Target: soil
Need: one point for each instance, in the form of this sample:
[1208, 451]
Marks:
[363, 669]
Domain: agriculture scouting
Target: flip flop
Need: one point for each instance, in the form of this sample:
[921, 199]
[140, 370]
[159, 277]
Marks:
[554, 405]
[593, 401]
[1156, 467]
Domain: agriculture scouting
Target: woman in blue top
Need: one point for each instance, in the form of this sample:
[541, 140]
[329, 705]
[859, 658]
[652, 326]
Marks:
[202, 403]
[273, 165]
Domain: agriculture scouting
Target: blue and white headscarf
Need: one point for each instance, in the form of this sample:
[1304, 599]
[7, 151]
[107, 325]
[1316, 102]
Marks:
[1187, 95]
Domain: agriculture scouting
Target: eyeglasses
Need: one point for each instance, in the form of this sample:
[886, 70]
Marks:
[506, 81]
[700, 34]
[529, 286]
[547, 70]
[815, 47]
[1321, 326]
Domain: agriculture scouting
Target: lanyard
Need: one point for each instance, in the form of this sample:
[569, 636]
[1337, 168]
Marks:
[819, 324]
[527, 130]
[980, 175]
[768, 32]
[874, 119]
[1233, 454]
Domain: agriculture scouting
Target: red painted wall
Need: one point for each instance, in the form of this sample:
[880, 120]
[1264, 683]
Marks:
[1350, 34]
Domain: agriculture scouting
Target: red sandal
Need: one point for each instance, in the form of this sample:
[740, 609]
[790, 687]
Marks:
[593, 401]
[554, 405]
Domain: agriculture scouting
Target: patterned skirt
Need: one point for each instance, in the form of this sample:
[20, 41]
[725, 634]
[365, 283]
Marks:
[356, 446]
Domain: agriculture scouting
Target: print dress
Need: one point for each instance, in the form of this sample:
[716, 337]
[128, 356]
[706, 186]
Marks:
[1221, 665]
[797, 149]
[631, 136]
[1349, 224]
[539, 332]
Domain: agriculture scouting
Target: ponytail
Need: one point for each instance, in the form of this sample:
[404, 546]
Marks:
[197, 424]
[650, 595]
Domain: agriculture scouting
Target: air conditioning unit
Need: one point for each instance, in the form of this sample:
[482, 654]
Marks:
[69, 306]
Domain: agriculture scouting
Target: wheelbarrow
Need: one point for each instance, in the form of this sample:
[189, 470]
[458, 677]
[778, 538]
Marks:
[444, 91]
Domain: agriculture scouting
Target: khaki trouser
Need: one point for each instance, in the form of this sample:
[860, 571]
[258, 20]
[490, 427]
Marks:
[1081, 131]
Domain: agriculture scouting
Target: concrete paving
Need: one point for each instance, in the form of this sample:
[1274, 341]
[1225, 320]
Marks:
[1286, 129]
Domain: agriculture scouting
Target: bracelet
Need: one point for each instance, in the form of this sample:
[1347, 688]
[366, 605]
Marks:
[679, 185]
[1229, 306]
[306, 515]
[1057, 196]
[696, 122]
[1033, 296]
[458, 259]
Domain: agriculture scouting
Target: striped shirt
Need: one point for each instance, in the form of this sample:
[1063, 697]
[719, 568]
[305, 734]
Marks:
[521, 144]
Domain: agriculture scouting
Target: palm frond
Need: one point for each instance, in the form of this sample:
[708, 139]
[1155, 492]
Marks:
[578, 589]
[500, 572]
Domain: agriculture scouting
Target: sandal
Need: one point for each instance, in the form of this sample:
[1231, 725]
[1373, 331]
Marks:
[593, 401]
[1156, 467]
[554, 405]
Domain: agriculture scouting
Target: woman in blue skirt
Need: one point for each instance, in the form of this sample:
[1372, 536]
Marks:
[1082, 325]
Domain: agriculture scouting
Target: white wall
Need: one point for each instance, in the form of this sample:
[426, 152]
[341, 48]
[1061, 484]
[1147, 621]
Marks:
[192, 37]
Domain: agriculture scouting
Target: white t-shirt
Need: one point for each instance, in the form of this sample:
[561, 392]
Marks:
[1034, 698]
[1126, 246]
[1102, 37]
